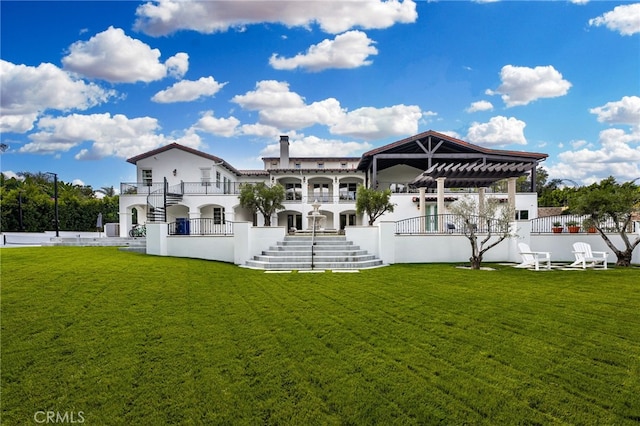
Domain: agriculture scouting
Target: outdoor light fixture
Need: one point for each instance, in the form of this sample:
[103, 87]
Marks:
[175, 172]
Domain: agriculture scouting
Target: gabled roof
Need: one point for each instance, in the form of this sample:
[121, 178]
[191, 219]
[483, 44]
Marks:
[421, 150]
[134, 160]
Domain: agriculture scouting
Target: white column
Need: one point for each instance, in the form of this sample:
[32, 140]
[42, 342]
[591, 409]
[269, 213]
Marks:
[440, 185]
[511, 190]
[481, 197]
[422, 193]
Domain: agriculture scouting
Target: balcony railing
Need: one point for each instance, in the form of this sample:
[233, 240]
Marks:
[448, 224]
[202, 226]
[544, 225]
[186, 188]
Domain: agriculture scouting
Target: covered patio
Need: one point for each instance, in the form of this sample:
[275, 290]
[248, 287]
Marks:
[447, 162]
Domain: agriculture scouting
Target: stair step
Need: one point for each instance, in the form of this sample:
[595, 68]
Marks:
[307, 252]
[275, 266]
[338, 258]
[315, 248]
[330, 252]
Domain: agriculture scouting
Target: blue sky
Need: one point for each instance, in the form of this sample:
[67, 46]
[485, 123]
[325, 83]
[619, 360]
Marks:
[86, 85]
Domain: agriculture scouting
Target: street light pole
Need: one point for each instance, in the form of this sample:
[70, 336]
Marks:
[55, 200]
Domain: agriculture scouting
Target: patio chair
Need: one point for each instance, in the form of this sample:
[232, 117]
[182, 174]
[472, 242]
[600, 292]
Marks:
[586, 257]
[533, 258]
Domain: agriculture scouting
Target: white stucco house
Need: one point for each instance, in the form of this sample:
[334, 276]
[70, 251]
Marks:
[186, 197]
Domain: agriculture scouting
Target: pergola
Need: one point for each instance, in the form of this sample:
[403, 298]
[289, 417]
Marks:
[451, 163]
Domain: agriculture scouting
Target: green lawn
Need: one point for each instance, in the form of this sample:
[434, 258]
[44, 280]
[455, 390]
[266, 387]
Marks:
[131, 339]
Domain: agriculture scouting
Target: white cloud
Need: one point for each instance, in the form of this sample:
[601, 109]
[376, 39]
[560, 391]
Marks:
[8, 174]
[217, 126]
[262, 130]
[278, 107]
[166, 17]
[615, 156]
[349, 50]
[312, 146]
[522, 85]
[625, 19]
[186, 90]
[498, 131]
[269, 94]
[378, 123]
[115, 135]
[451, 133]
[178, 65]
[26, 92]
[115, 57]
[578, 144]
[624, 111]
[480, 106]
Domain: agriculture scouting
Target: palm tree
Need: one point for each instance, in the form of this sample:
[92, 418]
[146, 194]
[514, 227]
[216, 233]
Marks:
[108, 191]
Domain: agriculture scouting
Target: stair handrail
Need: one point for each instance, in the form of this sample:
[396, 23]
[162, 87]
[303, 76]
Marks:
[153, 197]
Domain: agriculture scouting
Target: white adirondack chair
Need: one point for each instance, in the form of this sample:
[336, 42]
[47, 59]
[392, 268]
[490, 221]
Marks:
[533, 258]
[586, 257]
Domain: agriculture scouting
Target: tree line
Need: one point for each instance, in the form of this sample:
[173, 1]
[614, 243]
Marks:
[27, 203]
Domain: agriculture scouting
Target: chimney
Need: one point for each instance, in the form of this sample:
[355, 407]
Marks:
[284, 152]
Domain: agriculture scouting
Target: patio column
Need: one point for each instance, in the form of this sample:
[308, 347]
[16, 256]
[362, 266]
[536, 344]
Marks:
[481, 198]
[440, 186]
[511, 192]
[422, 192]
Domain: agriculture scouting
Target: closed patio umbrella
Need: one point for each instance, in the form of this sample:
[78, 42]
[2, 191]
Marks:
[99, 222]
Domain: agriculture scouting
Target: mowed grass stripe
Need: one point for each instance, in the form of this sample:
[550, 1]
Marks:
[125, 337]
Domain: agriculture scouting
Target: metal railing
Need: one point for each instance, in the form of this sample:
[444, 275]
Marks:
[139, 188]
[202, 226]
[187, 188]
[448, 224]
[545, 225]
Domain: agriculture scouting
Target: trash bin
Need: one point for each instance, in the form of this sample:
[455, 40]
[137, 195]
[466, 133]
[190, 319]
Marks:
[182, 226]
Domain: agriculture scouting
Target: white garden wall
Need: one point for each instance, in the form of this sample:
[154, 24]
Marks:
[380, 240]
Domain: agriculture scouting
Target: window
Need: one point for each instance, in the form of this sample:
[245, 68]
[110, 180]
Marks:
[217, 179]
[218, 215]
[205, 176]
[293, 191]
[227, 185]
[348, 191]
[147, 177]
[522, 214]
[321, 192]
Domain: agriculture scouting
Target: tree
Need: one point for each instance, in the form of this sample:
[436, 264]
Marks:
[27, 204]
[610, 206]
[373, 202]
[492, 219]
[107, 191]
[261, 198]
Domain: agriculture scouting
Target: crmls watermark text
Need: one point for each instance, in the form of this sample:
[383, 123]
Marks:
[59, 417]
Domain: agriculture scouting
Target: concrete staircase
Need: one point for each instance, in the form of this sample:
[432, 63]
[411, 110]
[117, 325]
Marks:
[329, 252]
